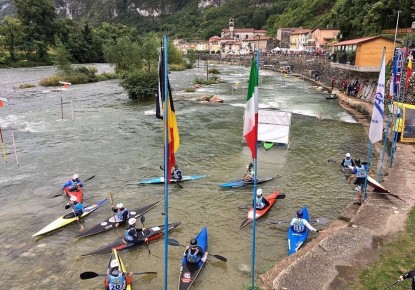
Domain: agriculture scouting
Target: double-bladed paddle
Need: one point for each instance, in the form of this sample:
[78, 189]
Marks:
[142, 220]
[90, 275]
[177, 244]
[60, 194]
[320, 220]
[177, 181]
[387, 287]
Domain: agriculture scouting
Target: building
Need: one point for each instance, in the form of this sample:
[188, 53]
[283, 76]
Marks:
[283, 36]
[214, 44]
[299, 38]
[322, 37]
[362, 54]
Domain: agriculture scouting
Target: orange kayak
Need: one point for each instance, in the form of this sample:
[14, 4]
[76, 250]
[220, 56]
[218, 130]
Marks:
[79, 194]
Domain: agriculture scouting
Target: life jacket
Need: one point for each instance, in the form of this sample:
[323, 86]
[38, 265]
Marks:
[259, 204]
[347, 162]
[120, 213]
[298, 225]
[117, 282]
[193, 258]
[361, 171]
[77, 208]
[129, 234]
[74, 186]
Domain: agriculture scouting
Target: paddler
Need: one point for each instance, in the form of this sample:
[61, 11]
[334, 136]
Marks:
[359, 171]
[250, 173]
[176, 173]
[194, 253]
[260, 201]
[74, 183]
[122, 214]
[299, 224]
[117, 279]
[132, 234]
[76, 206]
[347, 161]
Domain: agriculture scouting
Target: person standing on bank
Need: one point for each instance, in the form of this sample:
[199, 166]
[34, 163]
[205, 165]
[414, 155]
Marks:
[360, 172]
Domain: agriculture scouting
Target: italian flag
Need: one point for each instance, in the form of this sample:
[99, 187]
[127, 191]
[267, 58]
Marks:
[251, 111]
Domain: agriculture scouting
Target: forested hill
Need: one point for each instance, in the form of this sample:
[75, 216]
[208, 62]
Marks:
[200, 19]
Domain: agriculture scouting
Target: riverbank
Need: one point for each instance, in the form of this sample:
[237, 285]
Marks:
[333, 259]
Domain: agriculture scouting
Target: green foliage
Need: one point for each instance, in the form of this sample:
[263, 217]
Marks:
[26, 86]
[210, 81]
[214, 71]
[396, 258]
[124, 54]
[140, 84]
[12, 31]
[62, 59]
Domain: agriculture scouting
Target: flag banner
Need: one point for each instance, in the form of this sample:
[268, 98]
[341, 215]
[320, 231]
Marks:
[1, 103]
[408, 72]
[376, 123]
[397, 71]
[251, 110]
[161, 102]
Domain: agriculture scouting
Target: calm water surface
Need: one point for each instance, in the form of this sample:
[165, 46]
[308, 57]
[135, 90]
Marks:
[105, 134]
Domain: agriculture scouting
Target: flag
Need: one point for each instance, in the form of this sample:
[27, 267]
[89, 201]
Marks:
[1, 103]
[397, 70]
[376, 123]
[251, 110]
[408, 72]
[173, 131]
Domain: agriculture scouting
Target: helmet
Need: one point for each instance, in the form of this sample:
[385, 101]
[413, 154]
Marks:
[75, 176]
[120, 205]
[114, 264]
[300, 213]
[132, 221]
[73, 198]
[259, 192]
[193, 242]
[250, 165]
[347, 155]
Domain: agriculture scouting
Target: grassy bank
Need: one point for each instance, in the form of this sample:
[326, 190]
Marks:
[396, 258]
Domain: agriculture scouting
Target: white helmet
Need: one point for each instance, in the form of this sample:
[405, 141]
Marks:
[73, 198]
[75, 176]
[114, 264]
[259, 192]
[348, 155]
[120, 205]
[132, 221]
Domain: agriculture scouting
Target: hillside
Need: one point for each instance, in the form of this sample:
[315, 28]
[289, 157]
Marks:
[200, 19]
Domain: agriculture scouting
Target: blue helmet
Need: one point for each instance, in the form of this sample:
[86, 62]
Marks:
[300, 213]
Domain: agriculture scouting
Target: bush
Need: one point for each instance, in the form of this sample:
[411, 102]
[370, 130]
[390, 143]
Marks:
[26, 86]
[177, 67]
[214, 71]
[190, 90]
[140, 84]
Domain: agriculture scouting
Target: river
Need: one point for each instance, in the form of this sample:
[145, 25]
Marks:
[120, 142]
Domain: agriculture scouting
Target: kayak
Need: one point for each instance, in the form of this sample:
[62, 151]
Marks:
[295, 239]
[79, 194]
[241, 182]
[114, 256]
[110, 222]
[152, 234]
[68, 218]
[158, 180]
[189, 271]
[272, 198]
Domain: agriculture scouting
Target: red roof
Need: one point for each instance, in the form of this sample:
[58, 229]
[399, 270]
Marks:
[300, 31]
[359, 40]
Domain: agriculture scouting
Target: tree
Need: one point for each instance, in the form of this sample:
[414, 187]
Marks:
[38, 20]
[12, 31]
[62, 59]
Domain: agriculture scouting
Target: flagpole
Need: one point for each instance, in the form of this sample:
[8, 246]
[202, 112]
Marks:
[396, 30]
[2, 145]
[255, 189]
[166, 166]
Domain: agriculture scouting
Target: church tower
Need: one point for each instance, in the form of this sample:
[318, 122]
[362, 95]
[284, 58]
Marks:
[231, 26]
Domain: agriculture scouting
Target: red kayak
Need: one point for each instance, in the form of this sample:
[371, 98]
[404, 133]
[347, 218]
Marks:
[79, 194]
[272, 198]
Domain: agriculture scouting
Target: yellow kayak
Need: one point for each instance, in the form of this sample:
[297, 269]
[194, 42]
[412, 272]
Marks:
[68, 218]
[115, 256]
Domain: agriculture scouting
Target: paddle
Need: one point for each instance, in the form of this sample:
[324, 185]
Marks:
[142, 220]
[279, 196]
[60, 194]
[320, 220]
[81, 227]
[90, 275]
[391, 284]
[177, 181]
[177, 244]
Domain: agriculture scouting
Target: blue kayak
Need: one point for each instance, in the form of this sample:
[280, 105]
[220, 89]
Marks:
[159, 180]
[189, 271]
[241, 182]
[296, 239]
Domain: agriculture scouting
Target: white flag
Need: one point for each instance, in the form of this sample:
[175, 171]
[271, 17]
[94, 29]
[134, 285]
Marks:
[376, 124]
